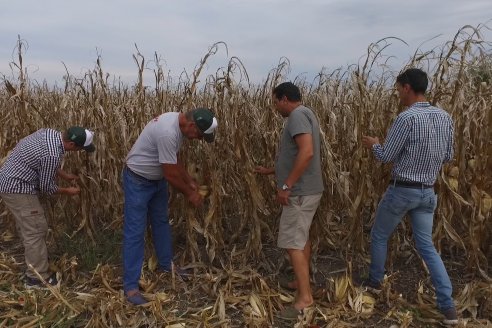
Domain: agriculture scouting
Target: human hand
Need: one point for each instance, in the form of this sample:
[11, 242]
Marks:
[368, 142]
[195, 199]
[71, 177]
[283, 197]
[193, 185]
[263, 170]
[72, 191]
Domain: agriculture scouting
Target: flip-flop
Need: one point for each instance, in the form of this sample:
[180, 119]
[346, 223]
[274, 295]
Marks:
[284, 283]
[289, 313]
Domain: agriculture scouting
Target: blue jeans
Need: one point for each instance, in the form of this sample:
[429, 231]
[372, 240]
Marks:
[144, 199]
[420, 205]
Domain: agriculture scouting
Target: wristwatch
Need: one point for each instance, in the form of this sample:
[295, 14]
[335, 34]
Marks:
[285, 187]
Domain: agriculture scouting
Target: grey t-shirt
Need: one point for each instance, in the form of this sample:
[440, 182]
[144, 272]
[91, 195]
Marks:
[301, 120]
[158, 144]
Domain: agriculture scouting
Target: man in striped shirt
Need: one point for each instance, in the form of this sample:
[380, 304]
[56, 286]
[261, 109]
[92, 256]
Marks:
[418, 143]
[31, 169]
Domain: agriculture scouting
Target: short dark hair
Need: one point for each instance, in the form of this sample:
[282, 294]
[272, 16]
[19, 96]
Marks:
[289, 90]
[415, 78]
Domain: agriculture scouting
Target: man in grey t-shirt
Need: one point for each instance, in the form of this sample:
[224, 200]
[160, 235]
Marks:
[299, 188]
[152, 163]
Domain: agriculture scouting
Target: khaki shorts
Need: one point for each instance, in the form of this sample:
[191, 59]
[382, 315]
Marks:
[295, 222]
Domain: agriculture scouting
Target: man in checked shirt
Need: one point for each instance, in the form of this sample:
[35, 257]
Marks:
[31, 169]
[418, 143]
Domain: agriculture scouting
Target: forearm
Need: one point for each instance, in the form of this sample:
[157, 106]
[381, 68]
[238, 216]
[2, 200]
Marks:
[301, 163]
[388, 151]
[47, 175]
[379, 153]
[449, 156]
[62, 190]
[49, 189]
[394, 143]
[304, 155]
[47, 184]
[180, 183]
[450, 149]
[183, 172]
[186, 176]
[62, 174]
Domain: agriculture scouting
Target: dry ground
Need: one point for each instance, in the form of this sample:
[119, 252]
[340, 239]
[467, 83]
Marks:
[192, 301]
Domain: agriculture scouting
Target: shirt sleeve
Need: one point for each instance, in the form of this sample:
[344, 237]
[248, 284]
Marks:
[450, 146]
[47, 174]
[167, 147]
[299, 124]
[395, 141]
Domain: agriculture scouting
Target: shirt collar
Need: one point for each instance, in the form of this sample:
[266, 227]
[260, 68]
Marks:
[420, 104]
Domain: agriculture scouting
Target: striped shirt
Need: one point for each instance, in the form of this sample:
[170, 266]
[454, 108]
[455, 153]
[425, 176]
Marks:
[418, 143]
[33, 164]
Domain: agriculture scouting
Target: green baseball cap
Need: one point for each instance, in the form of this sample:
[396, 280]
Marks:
[206, 122]
[81, 137]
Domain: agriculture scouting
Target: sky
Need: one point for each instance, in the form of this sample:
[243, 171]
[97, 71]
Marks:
[312, 34]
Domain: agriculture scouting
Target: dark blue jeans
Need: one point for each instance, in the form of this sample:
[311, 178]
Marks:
[420, 205]
[144, 199]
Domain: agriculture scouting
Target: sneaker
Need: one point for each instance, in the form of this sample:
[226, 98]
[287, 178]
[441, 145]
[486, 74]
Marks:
[451, 318]
[34, 283]
[137, 299]
[370, 285]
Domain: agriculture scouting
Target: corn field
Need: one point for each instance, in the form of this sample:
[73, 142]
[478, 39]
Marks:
[230, 242]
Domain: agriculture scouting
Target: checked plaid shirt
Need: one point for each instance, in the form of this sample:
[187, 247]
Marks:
[418, 143]
[32, 166]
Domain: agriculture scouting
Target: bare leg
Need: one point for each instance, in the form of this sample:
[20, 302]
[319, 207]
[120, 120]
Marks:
[307, 255]
[300, 264]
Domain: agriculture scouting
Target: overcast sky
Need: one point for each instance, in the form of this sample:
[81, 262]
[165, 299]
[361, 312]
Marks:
[312, 34]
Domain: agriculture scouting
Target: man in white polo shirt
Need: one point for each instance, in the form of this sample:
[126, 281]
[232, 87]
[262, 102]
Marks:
[152, 162]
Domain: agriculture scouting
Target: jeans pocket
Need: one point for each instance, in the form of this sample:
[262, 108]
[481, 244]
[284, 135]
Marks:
[432, 202]
[395, 202]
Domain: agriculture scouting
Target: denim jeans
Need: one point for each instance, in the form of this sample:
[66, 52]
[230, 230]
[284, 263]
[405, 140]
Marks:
[420, 205]
[144, 199]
